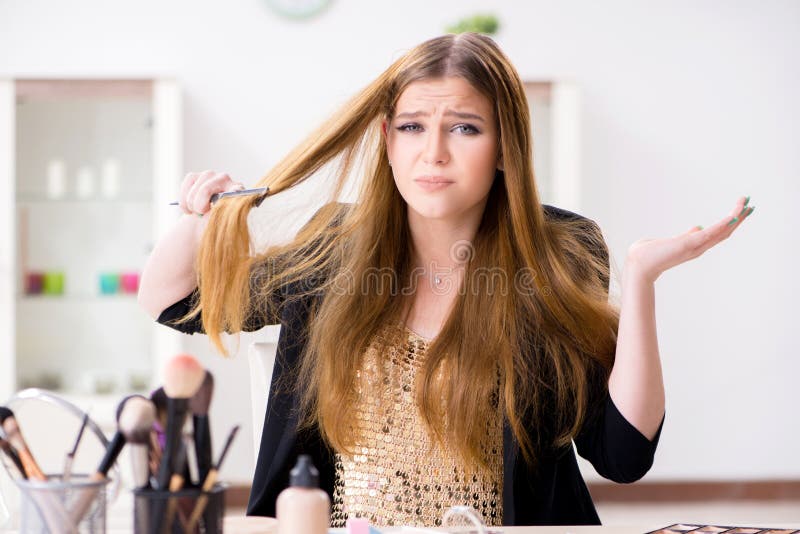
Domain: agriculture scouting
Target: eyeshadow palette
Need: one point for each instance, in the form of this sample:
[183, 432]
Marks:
[714, 529]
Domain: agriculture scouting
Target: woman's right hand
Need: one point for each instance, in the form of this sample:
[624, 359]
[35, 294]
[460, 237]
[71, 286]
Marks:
[197, 188]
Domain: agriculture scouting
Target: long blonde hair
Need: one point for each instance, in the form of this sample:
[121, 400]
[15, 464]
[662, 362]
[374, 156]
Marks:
[545, 336]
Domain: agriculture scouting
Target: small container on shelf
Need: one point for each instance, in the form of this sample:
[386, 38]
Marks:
[34, 283]
[129, 281]
[56, 179]
[53, 283]
[84, 182]
[109, 283]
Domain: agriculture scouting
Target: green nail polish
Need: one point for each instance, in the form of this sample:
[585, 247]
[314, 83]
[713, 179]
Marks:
[733, 221]
[199, 214]
[752, 209]
[700, 226]
[747, 200]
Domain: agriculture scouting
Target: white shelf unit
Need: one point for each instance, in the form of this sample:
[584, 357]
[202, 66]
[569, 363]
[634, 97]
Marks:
[84, 229]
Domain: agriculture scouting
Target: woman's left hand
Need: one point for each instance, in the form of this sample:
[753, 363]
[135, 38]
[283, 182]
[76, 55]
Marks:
[648, 258]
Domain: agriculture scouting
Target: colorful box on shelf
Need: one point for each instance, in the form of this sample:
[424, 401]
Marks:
[48, 283]
[114, 283]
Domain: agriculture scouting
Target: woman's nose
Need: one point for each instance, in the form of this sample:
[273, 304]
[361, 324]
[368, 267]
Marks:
[436, 152]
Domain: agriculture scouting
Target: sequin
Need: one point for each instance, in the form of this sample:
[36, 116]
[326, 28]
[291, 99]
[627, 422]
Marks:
[396, 474]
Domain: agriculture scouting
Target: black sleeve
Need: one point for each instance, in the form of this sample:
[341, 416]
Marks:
[616, 449]
[173, 313]
[257, 318]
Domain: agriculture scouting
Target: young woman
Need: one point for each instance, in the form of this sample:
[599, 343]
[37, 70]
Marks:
[446, 337]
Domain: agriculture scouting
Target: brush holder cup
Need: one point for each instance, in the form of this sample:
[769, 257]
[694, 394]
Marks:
[52, 506]
[50, 424]
[181, 512]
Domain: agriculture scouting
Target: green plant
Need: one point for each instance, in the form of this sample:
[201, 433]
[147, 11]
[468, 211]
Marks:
[482, 23]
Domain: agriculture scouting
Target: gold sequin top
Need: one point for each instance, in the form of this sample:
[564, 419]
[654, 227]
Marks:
[398, 475]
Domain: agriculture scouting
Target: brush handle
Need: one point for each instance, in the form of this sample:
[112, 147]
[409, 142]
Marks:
[55, 516]
[88, 495]
[175, 484]
[29, 464]
[202, 445]
[112, 452]
[202, 501]
[12, 454]
[139, 454]
[14, 437]
[162, 518]
[85, 499]
[177, 410]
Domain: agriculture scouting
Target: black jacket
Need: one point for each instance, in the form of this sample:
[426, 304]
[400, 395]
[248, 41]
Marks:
[552, 493]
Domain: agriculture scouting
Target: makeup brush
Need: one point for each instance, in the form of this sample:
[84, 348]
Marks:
[11, 452]
[135, 416]
[202, 430]
[183, 376]
[135, 422]
[14, 437]
[208, 484]
[71, 454]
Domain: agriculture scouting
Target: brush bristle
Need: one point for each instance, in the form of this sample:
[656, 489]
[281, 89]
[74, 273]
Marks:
[5, 413]
[183, 376]
[199, 403]
[136, 418]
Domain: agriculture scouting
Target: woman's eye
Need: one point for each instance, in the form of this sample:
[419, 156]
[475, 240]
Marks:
[410, 127]
[466, 129]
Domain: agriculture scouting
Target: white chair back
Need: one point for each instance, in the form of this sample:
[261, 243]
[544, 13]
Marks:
[261, 358]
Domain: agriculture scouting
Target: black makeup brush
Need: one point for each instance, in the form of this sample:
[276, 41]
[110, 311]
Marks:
[202, 429]
[208, 483]
[14, 437]
[183, 376]
[11, 452]
[135, 416]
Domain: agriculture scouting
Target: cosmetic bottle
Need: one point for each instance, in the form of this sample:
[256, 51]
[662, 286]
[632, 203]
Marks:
[303, 508]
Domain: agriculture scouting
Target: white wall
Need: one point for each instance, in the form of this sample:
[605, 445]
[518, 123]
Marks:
[687, 105]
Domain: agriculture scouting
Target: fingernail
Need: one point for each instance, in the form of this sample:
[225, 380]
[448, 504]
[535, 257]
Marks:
[700, 226]
[752, 209]
[733, 221]
[747, 200]
[199, 214]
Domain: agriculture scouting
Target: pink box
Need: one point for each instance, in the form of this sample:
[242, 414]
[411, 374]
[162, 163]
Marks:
[129, 282]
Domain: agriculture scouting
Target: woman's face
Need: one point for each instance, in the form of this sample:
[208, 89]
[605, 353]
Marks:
[443, 147]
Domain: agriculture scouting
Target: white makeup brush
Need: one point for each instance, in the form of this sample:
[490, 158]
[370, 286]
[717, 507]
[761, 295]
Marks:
[14, 437]
[135, 416]
[135, 422]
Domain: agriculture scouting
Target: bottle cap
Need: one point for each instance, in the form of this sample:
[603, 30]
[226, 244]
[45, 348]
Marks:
[304, 474]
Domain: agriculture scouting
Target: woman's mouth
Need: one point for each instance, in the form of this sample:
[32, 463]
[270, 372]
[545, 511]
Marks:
[433, 183]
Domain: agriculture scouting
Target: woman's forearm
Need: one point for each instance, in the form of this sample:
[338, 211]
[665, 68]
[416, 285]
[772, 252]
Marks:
[636, 384]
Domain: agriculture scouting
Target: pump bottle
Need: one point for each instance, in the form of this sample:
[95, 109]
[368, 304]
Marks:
[303, 508]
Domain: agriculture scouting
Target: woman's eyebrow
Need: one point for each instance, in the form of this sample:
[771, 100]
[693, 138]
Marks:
[449, 113]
